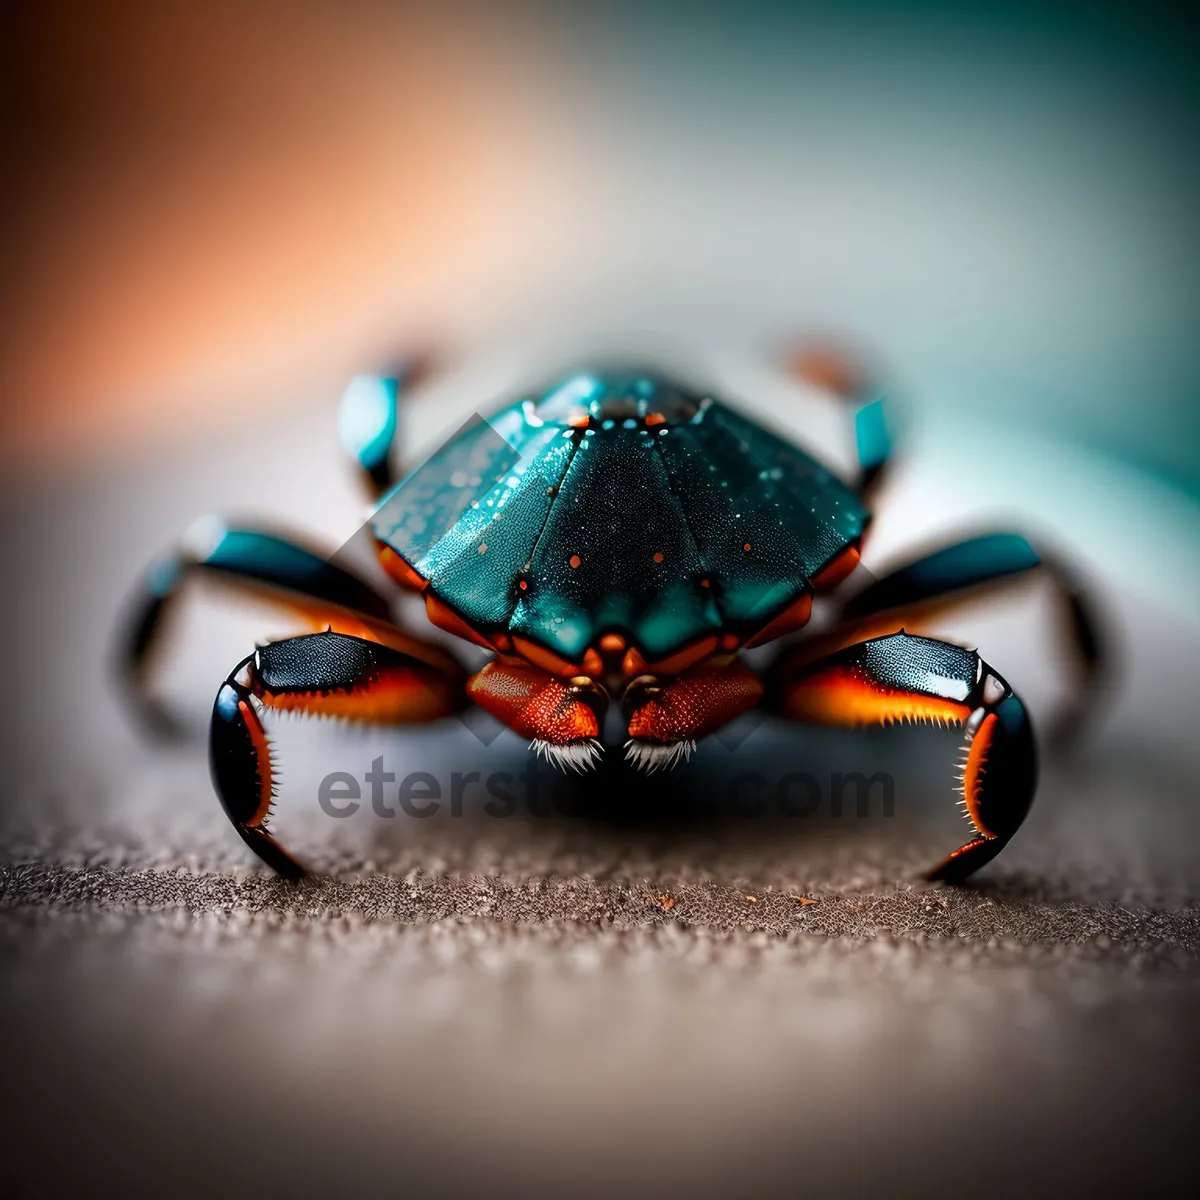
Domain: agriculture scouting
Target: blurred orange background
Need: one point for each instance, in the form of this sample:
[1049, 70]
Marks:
[203, 197]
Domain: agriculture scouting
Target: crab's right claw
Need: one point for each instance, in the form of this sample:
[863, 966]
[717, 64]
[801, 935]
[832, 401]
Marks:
[240, 761]
[318, 674]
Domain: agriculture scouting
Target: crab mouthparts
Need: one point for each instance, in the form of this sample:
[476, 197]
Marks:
[584, 755]
[578, 756]
[655, 756]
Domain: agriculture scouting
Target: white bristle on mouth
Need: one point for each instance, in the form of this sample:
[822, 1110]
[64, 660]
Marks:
[573, 756]
[654, 756]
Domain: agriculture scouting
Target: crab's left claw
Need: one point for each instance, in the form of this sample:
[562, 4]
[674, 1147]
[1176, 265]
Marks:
[918, 680]
[999, 777]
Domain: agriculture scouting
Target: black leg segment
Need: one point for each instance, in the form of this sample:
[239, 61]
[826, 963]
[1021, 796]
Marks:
[369, 421]
[239, 758]
[259, 562]
[842, 375]
[963, 569]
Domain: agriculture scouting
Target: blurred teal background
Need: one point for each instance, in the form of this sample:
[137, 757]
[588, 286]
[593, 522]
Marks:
[1004, 197]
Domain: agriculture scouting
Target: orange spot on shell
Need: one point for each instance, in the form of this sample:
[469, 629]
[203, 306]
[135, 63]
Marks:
[574, 561]
[483, 547]
[746, 547]
[655, 418]
[612, 643]
[658, 556]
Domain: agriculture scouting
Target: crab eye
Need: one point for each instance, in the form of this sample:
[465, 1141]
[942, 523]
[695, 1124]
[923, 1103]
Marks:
[640, 692]
[587, 691]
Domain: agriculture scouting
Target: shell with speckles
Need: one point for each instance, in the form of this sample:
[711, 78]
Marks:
[619, 502]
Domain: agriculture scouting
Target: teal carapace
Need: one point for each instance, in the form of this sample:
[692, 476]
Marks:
[619, 501]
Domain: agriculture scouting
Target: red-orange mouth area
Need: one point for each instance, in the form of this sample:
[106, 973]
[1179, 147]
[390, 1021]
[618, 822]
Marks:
[635, 664]
[697, 703]
[532, 704]
[392, 696]
[975, 770]
[610, 645]
[842, 696]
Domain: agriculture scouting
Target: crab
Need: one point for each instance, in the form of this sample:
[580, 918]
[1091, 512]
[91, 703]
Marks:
[618, 538]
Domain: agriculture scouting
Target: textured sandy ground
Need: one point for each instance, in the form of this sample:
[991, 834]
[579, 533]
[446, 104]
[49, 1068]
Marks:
[566, 1006]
